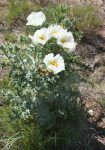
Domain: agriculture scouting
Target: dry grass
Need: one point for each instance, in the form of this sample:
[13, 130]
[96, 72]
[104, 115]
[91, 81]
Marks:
[89, 20]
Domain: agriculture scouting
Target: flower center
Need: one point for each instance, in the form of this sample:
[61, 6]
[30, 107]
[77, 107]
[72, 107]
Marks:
[54, 32]
[63, 40]
[54, 63]
[42, 37]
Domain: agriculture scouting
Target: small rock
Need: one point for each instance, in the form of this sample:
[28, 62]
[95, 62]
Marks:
[91, 112]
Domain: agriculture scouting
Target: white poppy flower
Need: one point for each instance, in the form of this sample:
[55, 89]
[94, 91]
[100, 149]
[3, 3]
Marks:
[40, 36]
[66, 40]
[36, 18]
[54, 30]
[54, 64]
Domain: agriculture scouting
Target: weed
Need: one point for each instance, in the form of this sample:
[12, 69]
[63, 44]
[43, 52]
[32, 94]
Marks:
[10, 37]
[87, 16]
[17, 9]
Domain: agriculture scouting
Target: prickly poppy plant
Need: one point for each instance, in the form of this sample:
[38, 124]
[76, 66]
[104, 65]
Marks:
[43, 84]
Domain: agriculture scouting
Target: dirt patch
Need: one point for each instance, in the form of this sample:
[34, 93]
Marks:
[92, 52]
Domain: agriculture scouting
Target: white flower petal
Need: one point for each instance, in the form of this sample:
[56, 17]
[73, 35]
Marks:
[66, 40]
[48, 58]
[41, 36]
[36, 18]
[54, 30]
[70, 47]
[54, 64]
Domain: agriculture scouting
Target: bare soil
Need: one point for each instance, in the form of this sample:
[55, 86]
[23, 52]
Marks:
[94, 96]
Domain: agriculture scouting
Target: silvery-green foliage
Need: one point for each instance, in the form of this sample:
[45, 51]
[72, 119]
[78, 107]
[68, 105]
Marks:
[35, 93]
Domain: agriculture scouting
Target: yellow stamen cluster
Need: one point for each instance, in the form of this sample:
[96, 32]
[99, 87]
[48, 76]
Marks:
[42, 37]
[63, 40]
[54, 63]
